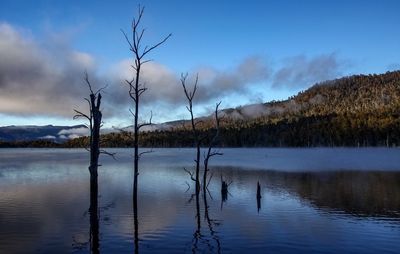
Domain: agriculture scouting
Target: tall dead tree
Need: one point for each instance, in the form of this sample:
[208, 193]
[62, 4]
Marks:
[136, 90]
[94, 118]
[95, 121]
[196, 136]
[210, 153]
[136, 87]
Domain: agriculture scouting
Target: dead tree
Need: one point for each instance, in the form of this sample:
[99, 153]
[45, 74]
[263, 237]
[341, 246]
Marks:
[136, 90]
[210, 153]
[95, 121]
[196, 136]
[136, 87]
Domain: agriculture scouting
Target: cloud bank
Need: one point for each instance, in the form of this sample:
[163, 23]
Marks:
[46, 78]
[164, 86]
[300, 71]
[36, 79]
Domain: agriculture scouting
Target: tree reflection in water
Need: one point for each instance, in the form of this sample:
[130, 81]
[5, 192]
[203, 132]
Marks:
[94, 218]
[136, 223]
[211, 223]
[201, 240]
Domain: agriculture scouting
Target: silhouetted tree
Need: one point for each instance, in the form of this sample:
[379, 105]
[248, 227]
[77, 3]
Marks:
[196, 135]
[94, 117]
[136, 90]
[95, 121]
[210, 153]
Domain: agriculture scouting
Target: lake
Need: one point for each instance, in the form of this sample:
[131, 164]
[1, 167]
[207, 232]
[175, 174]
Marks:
[319, 200]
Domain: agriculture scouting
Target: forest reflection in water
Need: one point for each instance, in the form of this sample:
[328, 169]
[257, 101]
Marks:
[46, 207]
[357, 193]
[371, 195]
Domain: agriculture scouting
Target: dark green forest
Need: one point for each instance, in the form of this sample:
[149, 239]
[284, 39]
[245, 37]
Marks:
[360, 110]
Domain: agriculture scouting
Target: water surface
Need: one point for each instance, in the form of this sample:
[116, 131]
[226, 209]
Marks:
[313, 201]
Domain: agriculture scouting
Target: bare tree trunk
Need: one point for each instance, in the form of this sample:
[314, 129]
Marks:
[136, 89]
[94, 118]
[136, 138]
[136, 173]
[211, 153]
[96, 115]
[190, 96]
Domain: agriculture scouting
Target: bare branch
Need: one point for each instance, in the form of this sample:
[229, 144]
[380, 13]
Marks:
[191, 174]
[148, 123]
[215, 153]
[88, 82]
[148, 151]
[147, 61]
[155, 46]
[132, 113]
[189, 94]
[210, 152]
[141, 91]
[209, 193]
[80, 114]
[188, 186]
[191, 198]
[209, 180]
[108, 153]
[101, 89]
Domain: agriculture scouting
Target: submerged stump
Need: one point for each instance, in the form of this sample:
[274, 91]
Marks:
[258, 197]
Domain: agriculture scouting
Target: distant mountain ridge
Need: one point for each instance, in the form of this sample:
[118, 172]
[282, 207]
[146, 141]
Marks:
[48, 132]
[372, 93]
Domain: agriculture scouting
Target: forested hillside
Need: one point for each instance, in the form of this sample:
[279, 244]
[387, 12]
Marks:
[361, 110]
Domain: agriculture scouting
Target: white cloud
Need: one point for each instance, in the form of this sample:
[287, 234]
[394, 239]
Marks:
[48, 137]
[77, 131]
[46, 79]
[164, 86]
[302, 71]
[35, 79]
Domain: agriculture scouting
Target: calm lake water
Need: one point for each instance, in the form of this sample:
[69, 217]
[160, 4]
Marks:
[321, 200]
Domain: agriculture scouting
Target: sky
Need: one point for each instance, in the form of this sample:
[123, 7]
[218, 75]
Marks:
[244, 52]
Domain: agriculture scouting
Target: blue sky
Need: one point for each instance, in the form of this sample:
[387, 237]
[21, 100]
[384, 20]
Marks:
[244, 51]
